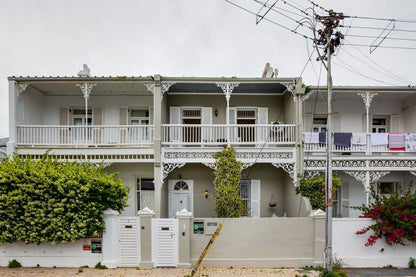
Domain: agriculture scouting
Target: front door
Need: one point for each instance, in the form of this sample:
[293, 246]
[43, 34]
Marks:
[180, 196]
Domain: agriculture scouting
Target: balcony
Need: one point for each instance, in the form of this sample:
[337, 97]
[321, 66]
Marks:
[49, 136]
[358, 144]
[249, 135]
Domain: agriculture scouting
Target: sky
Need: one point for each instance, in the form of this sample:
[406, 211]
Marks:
[199, 38]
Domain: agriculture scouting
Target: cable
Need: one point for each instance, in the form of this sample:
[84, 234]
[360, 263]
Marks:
[380, 46]
[391, 38]
[383, 68]
[379, 18]
[309, 59]
[376, 69]
[318, 6]
[376, 28]
[271, 21]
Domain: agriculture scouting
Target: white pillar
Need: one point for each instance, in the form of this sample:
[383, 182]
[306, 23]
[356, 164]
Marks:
[157, 121]
[227, 89]
[367, 98]
[12, 117]
[110, 238]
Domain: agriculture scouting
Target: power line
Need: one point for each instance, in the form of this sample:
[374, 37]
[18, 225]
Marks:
[390, 38]
[380, 46]
[381, 19]
[376, 28]
[271, 21]
[318, 6]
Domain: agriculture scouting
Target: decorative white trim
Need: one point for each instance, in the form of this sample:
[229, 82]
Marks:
[169, 167]
[86, 88]
[361, 176]
[393, 163]
[166, 85]
[288, 167]
[210, 165]
[246, 165]
[227, 88]
[367, 97]
[21, 87]
[311, 174]
[150, 87]
[413, 172]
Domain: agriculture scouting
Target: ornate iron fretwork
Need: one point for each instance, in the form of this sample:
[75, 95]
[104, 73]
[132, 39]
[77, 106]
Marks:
[413, 172]
[393, 163]
[21, 87]
[288, 167]
[166, 86]
[361, 176]
[169, 167]
[367, 97]
[246, 165]
[150, 87]
[227, 88]
[210, 165]
[86, 88]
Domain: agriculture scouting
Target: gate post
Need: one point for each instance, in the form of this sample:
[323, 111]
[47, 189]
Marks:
[110, 238]
[319, 236]
[146, 216]
[184, 240]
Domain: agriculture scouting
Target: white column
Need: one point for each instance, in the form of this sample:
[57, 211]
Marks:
[367, 98]
[110, 238]
[12, 118]
[227, 89]
[157, 121]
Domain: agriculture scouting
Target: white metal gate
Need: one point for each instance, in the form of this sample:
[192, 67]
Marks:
[129, 241]
[165, 242]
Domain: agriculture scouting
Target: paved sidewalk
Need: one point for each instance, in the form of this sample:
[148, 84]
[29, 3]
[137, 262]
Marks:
[358, 272]
[166, 272]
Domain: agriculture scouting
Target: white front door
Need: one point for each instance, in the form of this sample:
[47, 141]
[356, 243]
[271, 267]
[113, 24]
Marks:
[180, 196]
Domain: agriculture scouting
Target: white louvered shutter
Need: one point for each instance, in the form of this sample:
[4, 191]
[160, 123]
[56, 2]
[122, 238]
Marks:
[308, 122]
[336, 122]
[64, 116]
[123, 115]
[175, 132]
[97, 116]
[206, 119]
[394, 123]
[233, 121]
[262, 118]
[255, 198]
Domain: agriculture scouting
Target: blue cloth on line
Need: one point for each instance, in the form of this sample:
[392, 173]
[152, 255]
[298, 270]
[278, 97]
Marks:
[342, 139]
[322, 138]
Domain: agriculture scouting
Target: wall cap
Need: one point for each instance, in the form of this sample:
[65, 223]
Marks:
[317, 213]
[111, 212]
[146, 211]
[183, 213]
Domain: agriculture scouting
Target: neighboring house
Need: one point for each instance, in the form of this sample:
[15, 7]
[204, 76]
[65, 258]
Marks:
[161, 134]
[377, 150]
[3, 148]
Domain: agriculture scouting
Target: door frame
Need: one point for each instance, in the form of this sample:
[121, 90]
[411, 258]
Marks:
[171, 192]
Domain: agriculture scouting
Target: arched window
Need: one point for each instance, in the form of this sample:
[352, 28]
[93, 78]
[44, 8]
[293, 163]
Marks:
[181, 185]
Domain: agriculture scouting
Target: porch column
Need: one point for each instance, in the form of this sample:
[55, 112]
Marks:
[227, 89]
[367, 98]
[299, 92]
[86, 89]
[12, 117]
[157, 121]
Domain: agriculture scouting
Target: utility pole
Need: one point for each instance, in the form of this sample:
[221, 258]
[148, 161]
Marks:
[329, 41]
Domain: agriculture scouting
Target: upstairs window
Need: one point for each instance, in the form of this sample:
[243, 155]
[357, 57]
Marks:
[387, 188]
[319, 124]
[139, 117]
[78, 116]
[379, 124]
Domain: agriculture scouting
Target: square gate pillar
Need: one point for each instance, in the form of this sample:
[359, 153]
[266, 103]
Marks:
[146, 216]
[110, 238]
[184, 232]
[319, 236]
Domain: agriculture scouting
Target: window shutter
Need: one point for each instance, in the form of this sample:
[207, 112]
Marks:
[206, 119]
[64, 116]
[308, 122]
[97, 116]
[233, 121]
[233, 116]
[370, 123]
[345, 199]
[394, 123]
[151, 115]
[255, 198]
[336, 122]
[175, 132]
[262, 118]
[123, 115]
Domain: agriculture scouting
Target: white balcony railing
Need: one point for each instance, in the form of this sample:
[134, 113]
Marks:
[354, 148]
[214, 135]
[47, 135]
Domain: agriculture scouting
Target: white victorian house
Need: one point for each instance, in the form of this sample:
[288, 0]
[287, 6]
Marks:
[161, 133]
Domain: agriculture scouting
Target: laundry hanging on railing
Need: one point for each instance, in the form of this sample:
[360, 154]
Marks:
[396, 141]
[322, 138]
[342, 139]
[379, 139]
[311, 137]
[359, 139]
[410, 141]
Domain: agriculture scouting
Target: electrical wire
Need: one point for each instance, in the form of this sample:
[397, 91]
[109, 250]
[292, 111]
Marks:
[376, 28]
[271, 21]
[381, 19]
[390, 38]
[382, 46]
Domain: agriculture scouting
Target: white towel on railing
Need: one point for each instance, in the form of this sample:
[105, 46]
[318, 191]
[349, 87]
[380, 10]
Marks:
[358, 138]
[379, 139]
[410, 140]
[311, 137]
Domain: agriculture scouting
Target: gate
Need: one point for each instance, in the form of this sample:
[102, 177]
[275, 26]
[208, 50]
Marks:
[165, 242]
[129, 241]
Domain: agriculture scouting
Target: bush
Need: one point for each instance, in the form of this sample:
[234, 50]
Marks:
[394, 216]
[228, 201]
[412, 262]
[14, 264]
[45, 201]
[100, 266]
[314, 189]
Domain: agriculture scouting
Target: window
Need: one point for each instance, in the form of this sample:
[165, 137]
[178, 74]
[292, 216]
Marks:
[379, 124]
[319, 124]
[78, 117]
[181, 185]
[139, 117]
[246, 116]
[145, 193]
[387, 187]
[191, 116]
[245, 193]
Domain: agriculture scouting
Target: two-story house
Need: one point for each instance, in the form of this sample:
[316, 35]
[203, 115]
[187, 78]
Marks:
[161, 133]
[374, 140]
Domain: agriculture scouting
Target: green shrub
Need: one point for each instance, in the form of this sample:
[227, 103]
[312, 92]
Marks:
[45, 201]
[14, 264]
[314, 189]
[412, 262]
[228, 201]
[100, 266]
